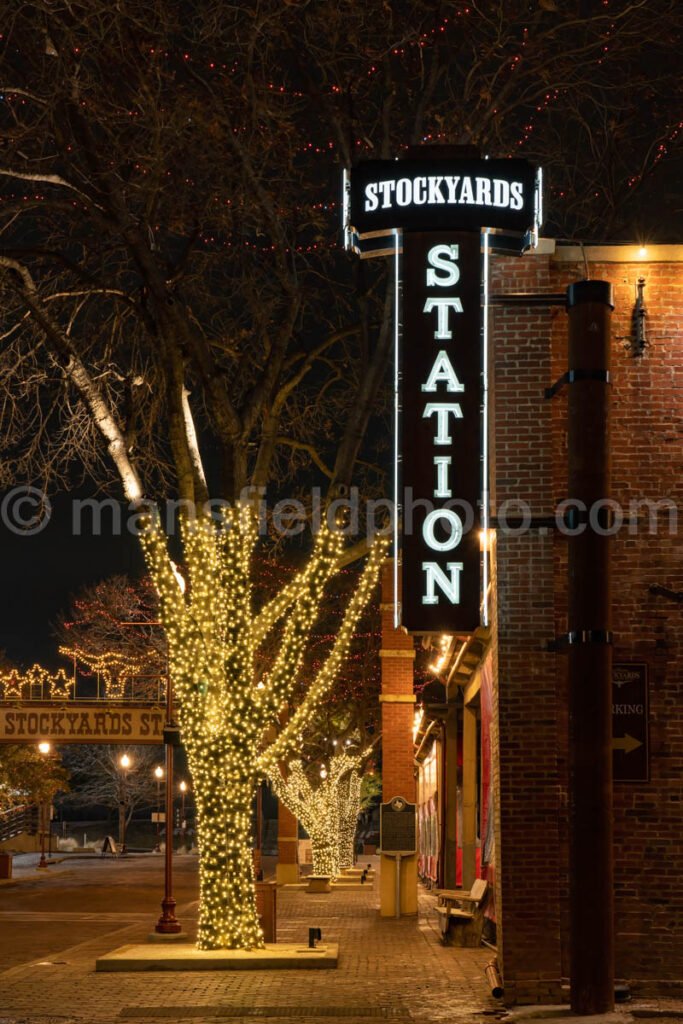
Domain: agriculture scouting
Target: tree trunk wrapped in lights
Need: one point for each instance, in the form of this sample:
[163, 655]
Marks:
[224, 710]
[350, 803]
[325, 809]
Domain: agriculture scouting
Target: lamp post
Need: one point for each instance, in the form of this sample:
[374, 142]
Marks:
[124, 764]
[159, 774]
[44, 749]
[168, 924]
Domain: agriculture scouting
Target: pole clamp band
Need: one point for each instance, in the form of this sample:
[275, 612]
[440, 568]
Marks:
[571, 376]
[581, 636]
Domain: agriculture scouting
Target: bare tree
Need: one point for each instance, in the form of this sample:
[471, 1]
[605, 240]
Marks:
[170, 267]
[99, 779]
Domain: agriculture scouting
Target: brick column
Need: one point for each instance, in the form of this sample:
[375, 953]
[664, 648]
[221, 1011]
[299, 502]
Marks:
[287, 870]
[398, 778]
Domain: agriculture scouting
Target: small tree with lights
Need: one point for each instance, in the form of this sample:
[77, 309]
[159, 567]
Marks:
[326, 800]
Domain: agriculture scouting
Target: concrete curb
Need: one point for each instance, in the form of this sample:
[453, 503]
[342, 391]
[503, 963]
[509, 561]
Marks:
[276, 956]
[562, 1013]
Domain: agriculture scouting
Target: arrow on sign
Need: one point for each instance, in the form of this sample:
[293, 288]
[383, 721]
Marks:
[626, 743]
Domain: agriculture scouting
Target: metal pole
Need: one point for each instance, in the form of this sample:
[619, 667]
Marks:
[123, 810]
[258, 846]
[450, 789]
[398, 884]
[591, 895]
[168, 924]
[42, 863]
[182, 817]
[159, 813]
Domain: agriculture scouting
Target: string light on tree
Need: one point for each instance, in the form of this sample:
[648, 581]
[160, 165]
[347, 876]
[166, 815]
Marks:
[214, 636]
[327, 807]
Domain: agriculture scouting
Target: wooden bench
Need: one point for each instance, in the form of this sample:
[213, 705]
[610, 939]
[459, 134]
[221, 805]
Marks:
[461, 914]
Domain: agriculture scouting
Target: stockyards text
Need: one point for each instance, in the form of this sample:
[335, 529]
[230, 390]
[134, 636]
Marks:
[81, 724]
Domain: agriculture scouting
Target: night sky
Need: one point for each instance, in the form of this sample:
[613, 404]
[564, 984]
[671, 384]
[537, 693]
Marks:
[41, 572]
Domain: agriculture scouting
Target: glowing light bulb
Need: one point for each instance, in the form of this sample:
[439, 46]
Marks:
[642, 251]
[124, 761]
[44, 747]
[159, 771]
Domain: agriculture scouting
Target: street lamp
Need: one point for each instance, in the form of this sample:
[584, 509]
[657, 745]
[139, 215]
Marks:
[159, 774]
[124, 764]
[44, 749]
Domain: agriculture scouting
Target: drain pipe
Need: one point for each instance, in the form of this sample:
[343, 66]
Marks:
[589, 649]
[494, 979]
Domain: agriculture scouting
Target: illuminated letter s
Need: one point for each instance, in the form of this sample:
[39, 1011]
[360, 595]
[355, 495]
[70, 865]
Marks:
[442, 257]
[371, 200]
[516, 195]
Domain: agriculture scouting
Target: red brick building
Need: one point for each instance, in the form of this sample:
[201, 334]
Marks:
[516, 729]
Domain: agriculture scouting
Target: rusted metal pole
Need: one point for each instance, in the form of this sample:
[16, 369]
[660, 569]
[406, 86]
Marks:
[589, 305]
[168, 924]
[450, 790]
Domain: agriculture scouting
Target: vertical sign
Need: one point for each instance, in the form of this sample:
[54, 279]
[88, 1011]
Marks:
[441, 431]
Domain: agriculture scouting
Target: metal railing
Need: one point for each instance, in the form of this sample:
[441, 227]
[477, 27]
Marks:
[15, 820]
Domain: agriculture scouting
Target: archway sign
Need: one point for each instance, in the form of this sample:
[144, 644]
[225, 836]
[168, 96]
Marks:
[441, 214]
[63, 722]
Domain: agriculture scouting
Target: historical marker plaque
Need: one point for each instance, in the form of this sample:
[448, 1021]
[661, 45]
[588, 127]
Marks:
[630, 746]
[398, 827]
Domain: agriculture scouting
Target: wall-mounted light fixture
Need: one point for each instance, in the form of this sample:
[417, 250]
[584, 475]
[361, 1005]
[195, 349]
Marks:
[638, 330]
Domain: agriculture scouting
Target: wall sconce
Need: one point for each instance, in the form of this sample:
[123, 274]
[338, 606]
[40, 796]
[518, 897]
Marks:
[638, 330]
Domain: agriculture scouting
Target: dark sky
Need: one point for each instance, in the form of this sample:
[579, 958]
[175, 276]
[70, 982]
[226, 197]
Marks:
[40, 572]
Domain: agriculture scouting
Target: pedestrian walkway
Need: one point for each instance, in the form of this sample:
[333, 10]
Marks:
[388, 969]
[55, 923]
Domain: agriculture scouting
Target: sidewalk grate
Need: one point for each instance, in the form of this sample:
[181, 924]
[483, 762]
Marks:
[180, 1012]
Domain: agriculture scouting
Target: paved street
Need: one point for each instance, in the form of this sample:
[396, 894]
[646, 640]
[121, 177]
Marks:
[54, 923]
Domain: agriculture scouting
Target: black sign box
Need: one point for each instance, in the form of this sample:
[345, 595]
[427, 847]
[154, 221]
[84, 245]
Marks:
[422, 195]
[630, 746]
[430, 489]
[398, 827]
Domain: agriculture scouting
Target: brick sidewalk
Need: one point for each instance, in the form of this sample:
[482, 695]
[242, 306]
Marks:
[388, 969]
[53, 925]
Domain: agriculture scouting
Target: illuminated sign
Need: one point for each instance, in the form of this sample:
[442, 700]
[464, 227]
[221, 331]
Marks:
[441, 432]
[464, 194]
[81, 723]
[441, 217]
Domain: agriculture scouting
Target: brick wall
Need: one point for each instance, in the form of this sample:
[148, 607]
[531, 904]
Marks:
[398, 778]
[529, 353]
[528, 778]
